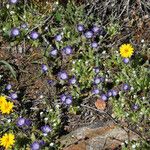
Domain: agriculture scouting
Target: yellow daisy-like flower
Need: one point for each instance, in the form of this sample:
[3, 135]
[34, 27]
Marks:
[126, 50]
[6, 107]
[2, 100]
[7, 140]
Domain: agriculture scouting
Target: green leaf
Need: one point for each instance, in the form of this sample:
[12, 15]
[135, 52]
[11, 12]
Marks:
[33, 138]
[13, 72]
[58, 17]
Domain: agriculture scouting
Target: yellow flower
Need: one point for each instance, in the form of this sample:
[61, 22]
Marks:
[6, 107]
[7, 140]
[126, 50]
[2, 100]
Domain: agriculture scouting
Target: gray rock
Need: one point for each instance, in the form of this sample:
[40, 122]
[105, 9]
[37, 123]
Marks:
[105, 136]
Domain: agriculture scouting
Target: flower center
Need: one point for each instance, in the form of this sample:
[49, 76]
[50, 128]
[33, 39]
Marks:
[7, 141]
[126, 50]
[6, 106]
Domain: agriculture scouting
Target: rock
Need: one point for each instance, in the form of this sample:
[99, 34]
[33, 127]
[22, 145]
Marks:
[106, 136]
[80, 146]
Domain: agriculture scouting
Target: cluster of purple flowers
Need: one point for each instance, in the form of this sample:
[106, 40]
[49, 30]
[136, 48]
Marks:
[65, 51]
[106, 96]
[66, 99]
[96, 91]
[95, 30]
[22, 122]
[89, 34]
[16, 32]
[126, 87]
[110, 93]
[38, 144]
[12, 95]
[62, 75]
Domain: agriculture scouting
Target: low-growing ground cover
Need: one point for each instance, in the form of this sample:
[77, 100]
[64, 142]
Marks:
[62, 61]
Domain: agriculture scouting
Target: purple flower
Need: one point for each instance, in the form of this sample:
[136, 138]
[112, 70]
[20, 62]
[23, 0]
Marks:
[27, 122]
[66, 99]
[88, 34]
[21, 122]
[34, 35]
[126, 60]
[72, 80]
[44, 68]
[35, 146]
[96, 29]
[58, 38]
[95, 91]
[63, 97]
[8, 87]
[104, 97]
[97, 80]
[13, 96]
[102, 31]
[53, 52]
[126, 87]
[102, 79]
[46, 129]
[24, 25]
[109, 93]
[63, 75]
[51, 82]
[135, 107]
[67, 50]
[114, 92]
[15, 32]
[13, 1]
[80, 27]
[41, 142]
[94, 44]
[96, 69]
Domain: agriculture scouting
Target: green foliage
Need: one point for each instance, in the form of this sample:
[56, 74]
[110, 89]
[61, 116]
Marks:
[7, 65]
[81, 63]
